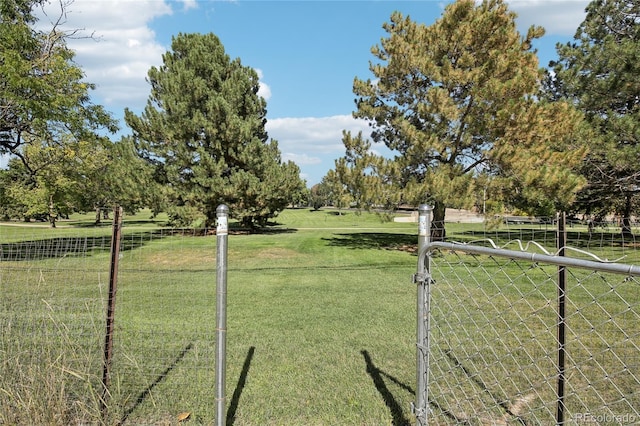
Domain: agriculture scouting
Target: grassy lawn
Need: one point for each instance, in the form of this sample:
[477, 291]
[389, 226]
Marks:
[320, 308]
[321, 322]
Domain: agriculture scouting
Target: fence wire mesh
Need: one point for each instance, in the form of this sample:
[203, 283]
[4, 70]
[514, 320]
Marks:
[51, 320]
[164, 345]
[494, 343]
[493, 357]
[54, 293]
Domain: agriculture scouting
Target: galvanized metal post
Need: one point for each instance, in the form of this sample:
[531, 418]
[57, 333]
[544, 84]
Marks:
[422, 280]
[222, 233]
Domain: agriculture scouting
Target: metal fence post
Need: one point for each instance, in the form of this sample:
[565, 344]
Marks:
[111, 307]
[562, 288]
[422, 279]
[222, 231]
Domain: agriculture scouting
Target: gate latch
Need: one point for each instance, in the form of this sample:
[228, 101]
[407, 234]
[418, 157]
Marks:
[422, 278]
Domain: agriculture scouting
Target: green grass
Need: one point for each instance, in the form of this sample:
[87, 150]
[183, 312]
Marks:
[321, 323]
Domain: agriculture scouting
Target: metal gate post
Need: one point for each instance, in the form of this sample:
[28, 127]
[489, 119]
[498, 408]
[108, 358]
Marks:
[422, 278]
[222, 231]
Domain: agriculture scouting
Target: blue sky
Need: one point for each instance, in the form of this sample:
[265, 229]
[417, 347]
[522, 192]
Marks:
[307, 54]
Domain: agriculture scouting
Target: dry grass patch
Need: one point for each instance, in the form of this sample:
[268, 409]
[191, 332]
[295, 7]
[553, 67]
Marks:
[276, 253]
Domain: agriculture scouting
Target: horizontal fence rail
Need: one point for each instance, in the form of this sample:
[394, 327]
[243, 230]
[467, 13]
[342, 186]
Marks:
[502, 350]
[604, 266]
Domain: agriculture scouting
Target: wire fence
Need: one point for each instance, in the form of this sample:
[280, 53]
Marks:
[53, 304]
[493, 341]
[166, 317]
[528, 335]
[51, 316]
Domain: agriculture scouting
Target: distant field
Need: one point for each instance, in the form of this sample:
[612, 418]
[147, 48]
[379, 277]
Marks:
[321, 320]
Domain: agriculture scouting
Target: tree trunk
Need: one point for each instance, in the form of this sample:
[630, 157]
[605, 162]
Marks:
[438, 232]
[97, 216]
[627, 233]
[52, 213]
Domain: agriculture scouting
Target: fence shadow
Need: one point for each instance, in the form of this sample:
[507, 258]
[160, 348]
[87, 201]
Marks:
[448, 413]
[145, 393]
[375, 240]
[242, 380]
[377, 376]
[475, 379]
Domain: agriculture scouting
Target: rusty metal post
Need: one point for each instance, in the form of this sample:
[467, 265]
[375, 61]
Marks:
[562, 288]
[111, 307]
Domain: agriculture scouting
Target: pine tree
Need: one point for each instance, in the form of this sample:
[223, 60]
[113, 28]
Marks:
[600, 72]
[460, 97]
[204, 129]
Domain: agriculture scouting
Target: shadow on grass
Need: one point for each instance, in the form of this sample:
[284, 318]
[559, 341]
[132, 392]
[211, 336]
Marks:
[377, 376]
[60, 247]
[448, 414]
[145, 393]
[242, 380]
[476, 379]
[375, 240]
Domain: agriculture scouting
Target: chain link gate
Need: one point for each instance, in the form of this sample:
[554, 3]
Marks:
[520, 337]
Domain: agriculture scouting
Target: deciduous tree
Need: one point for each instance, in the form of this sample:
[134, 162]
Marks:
[43, 97]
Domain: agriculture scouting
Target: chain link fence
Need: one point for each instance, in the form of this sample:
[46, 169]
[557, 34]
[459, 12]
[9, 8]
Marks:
[522, 335]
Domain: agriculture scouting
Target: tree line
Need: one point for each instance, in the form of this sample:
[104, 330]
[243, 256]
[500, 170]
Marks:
[463, 104]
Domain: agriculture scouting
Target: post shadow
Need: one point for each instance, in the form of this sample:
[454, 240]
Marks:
[242, 380]
[396, 410]
[475, 379]
[376, 374]
[145, 393]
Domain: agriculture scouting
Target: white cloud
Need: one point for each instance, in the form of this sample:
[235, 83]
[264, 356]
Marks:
[114, 46]
[263, 90]
[189, 4]
[558, 17]
[301, 159]
[319, 135]
[314, 143]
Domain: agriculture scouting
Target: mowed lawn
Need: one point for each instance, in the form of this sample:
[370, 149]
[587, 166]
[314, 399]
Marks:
[321, 323]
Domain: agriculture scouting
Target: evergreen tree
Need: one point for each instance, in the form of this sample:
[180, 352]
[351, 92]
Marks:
[600, 72]
[204, 129]
[461, 97]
